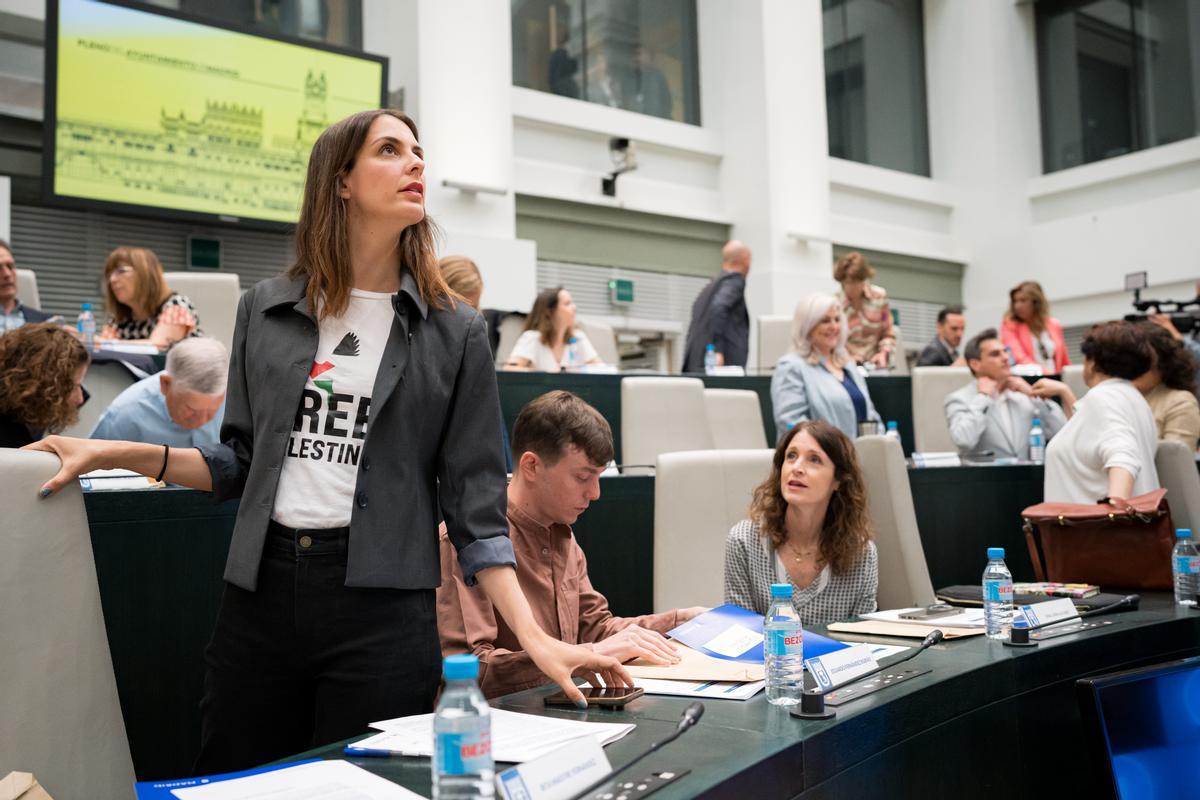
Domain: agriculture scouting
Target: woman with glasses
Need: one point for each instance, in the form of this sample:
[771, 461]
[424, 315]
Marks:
[142, 309]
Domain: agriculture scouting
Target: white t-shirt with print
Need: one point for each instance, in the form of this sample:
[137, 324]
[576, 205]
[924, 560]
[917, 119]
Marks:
[530, 346]
[320, 470]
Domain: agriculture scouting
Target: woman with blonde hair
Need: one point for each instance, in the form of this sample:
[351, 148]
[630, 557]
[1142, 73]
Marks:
[1030, 333]
[870, 338]
[463, 278]
[550, 332]
[328, 617]
[42, 368]
[808, 526]
[142, 309]
[818, 379]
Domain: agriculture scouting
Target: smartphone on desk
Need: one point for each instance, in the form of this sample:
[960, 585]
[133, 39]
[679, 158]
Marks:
[931, 612]
[611, 696]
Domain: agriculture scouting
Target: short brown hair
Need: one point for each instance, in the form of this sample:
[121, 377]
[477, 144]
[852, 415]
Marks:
[37, 376]
[847, 525]
[548, 424]
[853, 267]
[541, 316]
[1118, 349]
[462, 275]
[150, 287]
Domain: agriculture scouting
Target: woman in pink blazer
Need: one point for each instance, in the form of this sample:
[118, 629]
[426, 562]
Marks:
[1028, 330]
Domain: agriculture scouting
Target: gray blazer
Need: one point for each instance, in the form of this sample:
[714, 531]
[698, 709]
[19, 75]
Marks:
[800, 390]
[975, 429]
[433, 440]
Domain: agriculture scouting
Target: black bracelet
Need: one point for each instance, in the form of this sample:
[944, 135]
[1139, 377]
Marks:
[163, 471]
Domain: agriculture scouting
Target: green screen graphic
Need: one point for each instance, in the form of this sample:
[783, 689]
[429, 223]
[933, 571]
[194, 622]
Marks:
[155, 111]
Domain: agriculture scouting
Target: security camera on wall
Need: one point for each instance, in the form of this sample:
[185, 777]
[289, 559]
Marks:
[624, 158]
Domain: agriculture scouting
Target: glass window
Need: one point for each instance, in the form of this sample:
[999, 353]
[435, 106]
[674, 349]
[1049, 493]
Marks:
[1116, 76]
[337, 22]
[875, 83]
[623, 53]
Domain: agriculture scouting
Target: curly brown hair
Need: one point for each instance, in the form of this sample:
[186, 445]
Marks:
[1174, 362]
[853, 266]
[37, 376]
[847, 527]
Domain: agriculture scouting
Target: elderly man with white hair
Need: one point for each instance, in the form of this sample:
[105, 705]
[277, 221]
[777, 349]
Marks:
[182, 406]
[818, 379]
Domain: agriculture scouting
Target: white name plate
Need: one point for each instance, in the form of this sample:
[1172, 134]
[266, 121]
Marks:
[558, 775]
[1049, 611]
[834, 669]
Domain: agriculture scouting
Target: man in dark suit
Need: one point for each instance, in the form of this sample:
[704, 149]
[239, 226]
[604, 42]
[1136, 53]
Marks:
[719, 315]
[943, 350]
[12, 313]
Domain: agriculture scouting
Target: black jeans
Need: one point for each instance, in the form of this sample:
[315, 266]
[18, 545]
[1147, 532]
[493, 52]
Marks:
[306, 661]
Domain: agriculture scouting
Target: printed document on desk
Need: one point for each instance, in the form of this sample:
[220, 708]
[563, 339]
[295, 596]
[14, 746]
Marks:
[702, 690]
[516, 737]
[733, 633]
[310, 780]
[967, 618]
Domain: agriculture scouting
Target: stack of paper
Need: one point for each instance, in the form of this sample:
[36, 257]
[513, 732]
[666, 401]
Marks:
[107, 480]
[936, 459]
[516, 738]
[965, 618]
[888, 623]
[310, 779]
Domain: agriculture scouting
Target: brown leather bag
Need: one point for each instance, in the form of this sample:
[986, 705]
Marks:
[1116, 543]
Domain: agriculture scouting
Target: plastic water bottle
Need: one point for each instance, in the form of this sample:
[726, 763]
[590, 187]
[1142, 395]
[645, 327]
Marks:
[710, 359]
[571, 357]
[997, 595]
[87, 326]
[462, 733]
[783, 648]
[1037, 442]
[1185, 563]
[893, 431]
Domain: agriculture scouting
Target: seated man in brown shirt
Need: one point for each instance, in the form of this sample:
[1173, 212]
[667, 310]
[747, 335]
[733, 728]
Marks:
[560, 446]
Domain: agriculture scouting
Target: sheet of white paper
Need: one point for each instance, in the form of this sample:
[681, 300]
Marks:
[882, 651]
[516, 737]
[122, 347]
[967, 618]
[320, 780]
[733, 641]
[709, 690]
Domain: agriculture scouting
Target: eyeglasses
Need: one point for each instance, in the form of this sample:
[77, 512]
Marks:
[122, 269]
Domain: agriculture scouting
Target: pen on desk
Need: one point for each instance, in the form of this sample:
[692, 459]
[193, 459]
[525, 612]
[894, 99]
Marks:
[367, 752]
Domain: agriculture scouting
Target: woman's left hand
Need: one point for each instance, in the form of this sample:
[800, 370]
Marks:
[560, 661]
[880, 359]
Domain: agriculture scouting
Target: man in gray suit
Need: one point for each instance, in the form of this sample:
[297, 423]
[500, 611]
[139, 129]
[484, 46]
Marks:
[992, 415]
[719, 315]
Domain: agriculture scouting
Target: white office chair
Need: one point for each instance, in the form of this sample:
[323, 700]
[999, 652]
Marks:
[899, 357]
[603, 338]
[930, 385]
[27, 288]
[60, 717]
[1175, 463]
[215, 296]
[698, 497]
[104, 382]
[903, 572]
[774, 339]
[662, 415]
[510, 330]
[735, 419]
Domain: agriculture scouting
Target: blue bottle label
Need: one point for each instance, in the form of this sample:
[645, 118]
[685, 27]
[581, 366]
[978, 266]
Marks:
[1187, 565]
[997, 592]
[464, 753]
[784, 643]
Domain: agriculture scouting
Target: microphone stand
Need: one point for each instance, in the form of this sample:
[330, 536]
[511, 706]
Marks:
[1019, 636]
[812, 704]
[691, 715]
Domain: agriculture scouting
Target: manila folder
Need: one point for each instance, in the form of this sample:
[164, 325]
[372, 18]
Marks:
[696, 666]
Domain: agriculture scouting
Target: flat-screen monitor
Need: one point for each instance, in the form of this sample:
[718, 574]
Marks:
[152, 111]
[1146, 724]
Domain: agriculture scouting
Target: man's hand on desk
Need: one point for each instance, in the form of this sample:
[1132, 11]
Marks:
[638, 642]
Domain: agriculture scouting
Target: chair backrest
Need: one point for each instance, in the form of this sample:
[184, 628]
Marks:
[662, 415]
[61, 717]
[104, 382]
[1073, 376]
[1176, 465]
[774, 338]
[930, 385]
[510, 330]
[735, 419]
[698, 497]
[903, 572]
[899, 357]
[603, 338]
[27, 288]
[215, 296]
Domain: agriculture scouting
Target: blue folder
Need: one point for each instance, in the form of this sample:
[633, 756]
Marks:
[161, 790]
[698, 631]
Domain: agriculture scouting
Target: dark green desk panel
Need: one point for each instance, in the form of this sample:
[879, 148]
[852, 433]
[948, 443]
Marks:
[926, 738]
[892, 396]
[617, 536]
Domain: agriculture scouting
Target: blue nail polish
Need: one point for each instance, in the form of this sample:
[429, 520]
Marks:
[581, 704]
[44, 492]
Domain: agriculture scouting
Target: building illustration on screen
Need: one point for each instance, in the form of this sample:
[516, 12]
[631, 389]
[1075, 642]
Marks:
[216, 157]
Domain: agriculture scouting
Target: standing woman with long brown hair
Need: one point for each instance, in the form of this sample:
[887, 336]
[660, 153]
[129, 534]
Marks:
[361, 398]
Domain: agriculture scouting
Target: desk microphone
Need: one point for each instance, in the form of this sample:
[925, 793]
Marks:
[1019, 636]
[812, 704]
[691, 715]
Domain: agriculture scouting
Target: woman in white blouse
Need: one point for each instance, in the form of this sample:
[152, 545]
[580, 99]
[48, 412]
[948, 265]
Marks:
[550, 342]
[1107, 447]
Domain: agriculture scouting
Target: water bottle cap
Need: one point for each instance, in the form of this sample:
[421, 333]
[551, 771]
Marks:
[995, 552]
[1183, 533]
[572, 340]
[891, 425]
[1037, 422]
[460, 668]
[711, 347]
[781, 590]
[86, 307]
